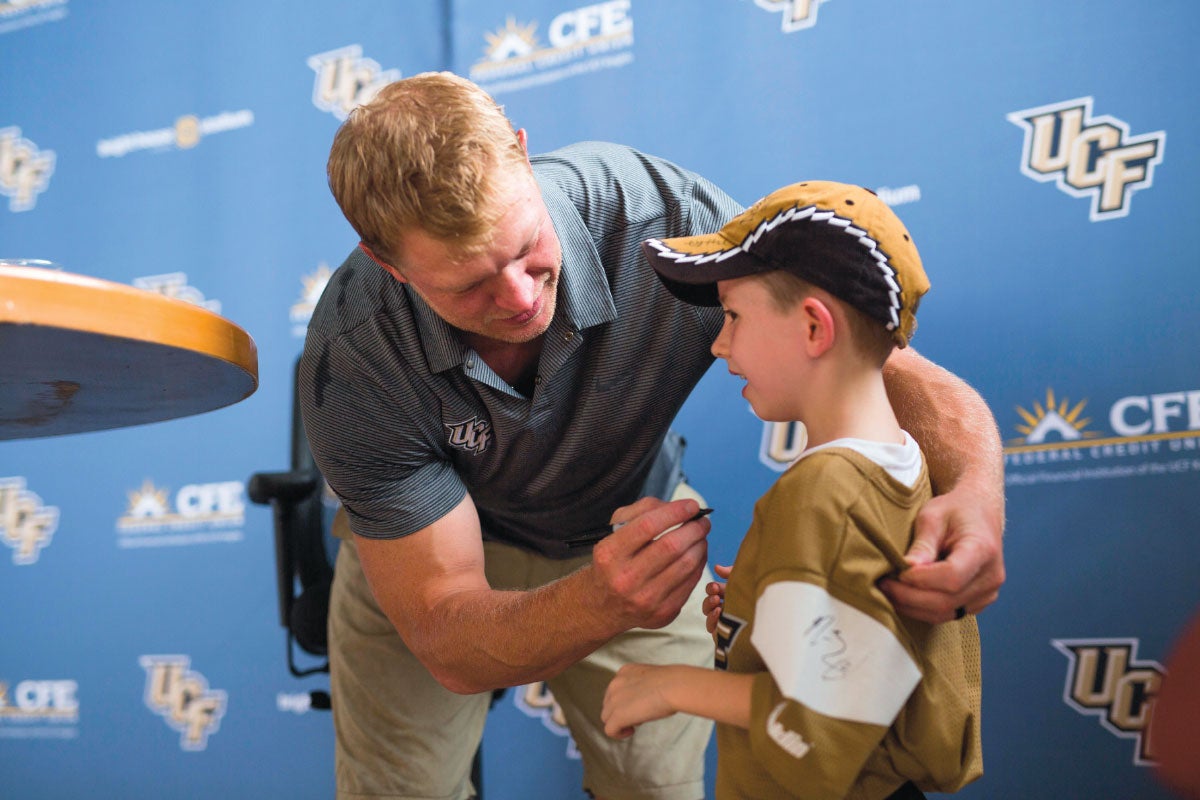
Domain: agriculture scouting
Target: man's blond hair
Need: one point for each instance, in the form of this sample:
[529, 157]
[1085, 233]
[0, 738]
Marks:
[424, 154]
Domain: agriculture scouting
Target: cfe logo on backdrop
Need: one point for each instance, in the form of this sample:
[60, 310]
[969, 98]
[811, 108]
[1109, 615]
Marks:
[581, 40]
[175, 285]
[202, 513]
[182, 698]
[1105, 679]
[313, 287]
[39, 709]
[1061, 441]
[25, 524]
[1086, 156]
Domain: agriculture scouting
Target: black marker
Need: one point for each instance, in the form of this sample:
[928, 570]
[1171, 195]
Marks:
[593, 536]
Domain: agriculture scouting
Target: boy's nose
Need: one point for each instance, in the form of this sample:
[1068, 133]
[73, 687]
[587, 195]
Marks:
[720, 345]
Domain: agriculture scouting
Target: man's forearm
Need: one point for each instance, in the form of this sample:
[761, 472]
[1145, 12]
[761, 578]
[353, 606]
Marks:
[432, 586]
[957, 553]
[485, 639]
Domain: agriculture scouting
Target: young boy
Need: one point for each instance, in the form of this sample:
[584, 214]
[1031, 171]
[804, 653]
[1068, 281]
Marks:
[821, 689]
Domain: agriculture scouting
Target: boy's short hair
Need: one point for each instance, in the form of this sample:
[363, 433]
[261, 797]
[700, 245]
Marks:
[423, 154]
[868, 337]
[839, 237]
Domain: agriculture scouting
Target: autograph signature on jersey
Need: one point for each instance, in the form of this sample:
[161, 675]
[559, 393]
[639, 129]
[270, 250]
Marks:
[823, 633]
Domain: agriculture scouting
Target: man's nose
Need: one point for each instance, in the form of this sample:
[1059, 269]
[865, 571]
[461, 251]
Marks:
[517, 290]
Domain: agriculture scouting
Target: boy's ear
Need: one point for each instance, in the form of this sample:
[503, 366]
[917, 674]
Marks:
[819, 328]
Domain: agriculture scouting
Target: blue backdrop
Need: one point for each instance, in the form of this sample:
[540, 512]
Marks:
[181, 148]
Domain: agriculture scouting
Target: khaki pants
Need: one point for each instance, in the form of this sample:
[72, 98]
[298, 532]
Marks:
[400, 734]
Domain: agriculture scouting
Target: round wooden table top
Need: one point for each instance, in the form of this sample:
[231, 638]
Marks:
[80, 354]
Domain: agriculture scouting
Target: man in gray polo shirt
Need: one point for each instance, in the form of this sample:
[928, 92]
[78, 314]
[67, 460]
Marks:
[492, 373]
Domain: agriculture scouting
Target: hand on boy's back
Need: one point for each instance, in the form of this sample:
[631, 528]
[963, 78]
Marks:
[956, 559]
[647, 568]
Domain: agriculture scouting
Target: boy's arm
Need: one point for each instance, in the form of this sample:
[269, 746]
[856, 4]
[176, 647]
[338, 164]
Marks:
[643, 692]
[958, 553]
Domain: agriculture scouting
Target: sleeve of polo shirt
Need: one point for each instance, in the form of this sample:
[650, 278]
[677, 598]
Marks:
[706, 209]
[384, 464]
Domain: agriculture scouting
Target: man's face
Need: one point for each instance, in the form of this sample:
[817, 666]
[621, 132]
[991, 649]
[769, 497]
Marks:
[507, 292]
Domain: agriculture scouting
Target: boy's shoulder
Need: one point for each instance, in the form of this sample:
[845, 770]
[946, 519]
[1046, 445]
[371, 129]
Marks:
[840, 476]
[832, 478]
[833, 465]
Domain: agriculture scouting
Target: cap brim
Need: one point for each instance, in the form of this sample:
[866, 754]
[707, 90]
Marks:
[689, 267]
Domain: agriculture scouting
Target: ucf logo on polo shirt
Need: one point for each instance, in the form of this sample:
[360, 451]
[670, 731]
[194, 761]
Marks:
[473, 435]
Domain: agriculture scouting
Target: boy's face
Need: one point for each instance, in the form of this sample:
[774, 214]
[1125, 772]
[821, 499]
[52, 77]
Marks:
[762, 345]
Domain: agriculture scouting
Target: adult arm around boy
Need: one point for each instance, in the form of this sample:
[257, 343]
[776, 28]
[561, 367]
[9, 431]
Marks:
[957, 556]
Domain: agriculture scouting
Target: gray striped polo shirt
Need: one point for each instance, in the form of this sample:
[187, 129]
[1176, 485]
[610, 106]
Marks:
[403, 418]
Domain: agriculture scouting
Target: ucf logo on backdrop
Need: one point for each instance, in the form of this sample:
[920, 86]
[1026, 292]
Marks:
[24, 169]
[346, 79]
[797, 14]
[1105, 679]
[182, 698]
[1088, 156]
[26, 525]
